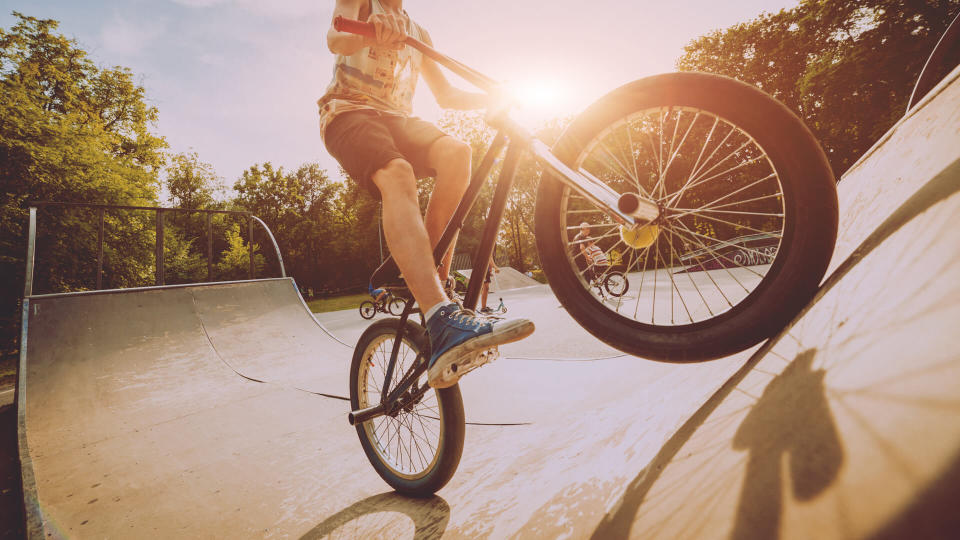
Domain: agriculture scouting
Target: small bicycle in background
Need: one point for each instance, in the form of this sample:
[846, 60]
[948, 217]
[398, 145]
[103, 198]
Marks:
[610, 281]
[494, 313]
[390, 304]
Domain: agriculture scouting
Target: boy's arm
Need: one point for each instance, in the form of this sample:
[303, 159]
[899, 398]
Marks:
[448, 96]
[390, 31]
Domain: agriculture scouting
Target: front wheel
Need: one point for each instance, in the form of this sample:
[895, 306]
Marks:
[417, 450]
[367, 309]
[747, 216]
[616, 283]
[396, 305]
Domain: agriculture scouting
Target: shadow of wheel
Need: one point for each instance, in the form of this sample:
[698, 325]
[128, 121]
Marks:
[372, 515]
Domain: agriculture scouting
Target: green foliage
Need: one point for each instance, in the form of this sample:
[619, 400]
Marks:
[192, 183]
[182, 264]
[235, 260]
[317, 223]
[69, 131]
[846, 68]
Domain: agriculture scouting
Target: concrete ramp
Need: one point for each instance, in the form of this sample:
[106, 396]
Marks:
[507, 279]
[216, 410]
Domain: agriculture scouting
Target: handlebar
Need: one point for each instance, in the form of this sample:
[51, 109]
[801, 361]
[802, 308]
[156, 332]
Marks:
[360, 28]
[350, 26]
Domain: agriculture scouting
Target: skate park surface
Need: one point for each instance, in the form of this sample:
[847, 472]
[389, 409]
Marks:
[217, 410]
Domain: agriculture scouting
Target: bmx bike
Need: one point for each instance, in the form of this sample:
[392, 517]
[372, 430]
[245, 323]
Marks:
[610, 281]
[390, 304]
[658, 167]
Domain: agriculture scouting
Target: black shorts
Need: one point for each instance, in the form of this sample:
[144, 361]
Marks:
[365, 141]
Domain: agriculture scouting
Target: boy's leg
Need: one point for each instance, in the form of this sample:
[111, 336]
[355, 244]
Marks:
[405, 232]
[451, 159]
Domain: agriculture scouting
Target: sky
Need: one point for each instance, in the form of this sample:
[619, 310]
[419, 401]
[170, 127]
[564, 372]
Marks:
[237, 80]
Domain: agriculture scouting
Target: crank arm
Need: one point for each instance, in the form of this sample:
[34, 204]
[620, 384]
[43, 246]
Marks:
[390, 402]
[360, 416]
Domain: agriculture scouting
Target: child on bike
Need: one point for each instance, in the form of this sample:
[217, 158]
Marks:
[377, 293]
[595, 261]
[366, 123]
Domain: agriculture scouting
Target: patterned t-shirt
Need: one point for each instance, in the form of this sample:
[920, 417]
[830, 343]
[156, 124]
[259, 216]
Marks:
[375, 78]
[596, 256]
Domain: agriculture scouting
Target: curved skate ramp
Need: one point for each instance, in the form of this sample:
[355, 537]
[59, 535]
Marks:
[141, 415]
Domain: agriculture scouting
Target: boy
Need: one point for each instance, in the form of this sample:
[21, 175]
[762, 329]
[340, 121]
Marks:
[367, 126]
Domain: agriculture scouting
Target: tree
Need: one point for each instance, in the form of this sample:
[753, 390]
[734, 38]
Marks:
[846, 68]
[235, 260]
[70, 131]
[301, 210]
[191, 183]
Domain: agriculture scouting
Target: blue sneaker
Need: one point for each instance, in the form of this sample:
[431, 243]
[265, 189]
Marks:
[459, 340]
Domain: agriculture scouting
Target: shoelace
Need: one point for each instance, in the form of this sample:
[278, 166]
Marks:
[465, 316]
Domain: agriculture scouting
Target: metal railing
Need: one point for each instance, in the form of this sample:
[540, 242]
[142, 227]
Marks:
[159, 253]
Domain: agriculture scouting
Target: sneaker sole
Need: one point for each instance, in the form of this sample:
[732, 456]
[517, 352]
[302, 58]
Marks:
[464, 358]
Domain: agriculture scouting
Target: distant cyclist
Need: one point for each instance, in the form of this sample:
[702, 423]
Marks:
[378, 294]
[595, 261]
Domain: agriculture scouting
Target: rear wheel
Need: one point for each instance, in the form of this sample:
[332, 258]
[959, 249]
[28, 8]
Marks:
[748, 216]
[416, 450]
[367, 309]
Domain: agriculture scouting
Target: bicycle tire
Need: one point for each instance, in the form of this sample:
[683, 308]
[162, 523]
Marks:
[368, 309]
[396, 305]
[616, 283]
[798, 199]
[443, 407]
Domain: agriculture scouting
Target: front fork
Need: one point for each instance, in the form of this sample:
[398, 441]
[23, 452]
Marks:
[628, 209]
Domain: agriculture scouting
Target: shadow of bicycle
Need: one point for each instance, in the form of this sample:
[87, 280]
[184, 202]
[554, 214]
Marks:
[791, 421]
[387, 515]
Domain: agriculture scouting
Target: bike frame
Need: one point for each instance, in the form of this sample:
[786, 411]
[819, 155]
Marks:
[630, 210]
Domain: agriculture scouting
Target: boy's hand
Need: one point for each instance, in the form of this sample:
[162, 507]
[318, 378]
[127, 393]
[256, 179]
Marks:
[390, 30]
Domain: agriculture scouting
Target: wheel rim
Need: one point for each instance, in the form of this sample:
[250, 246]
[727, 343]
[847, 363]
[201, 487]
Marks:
[409, 443]
[722, 214]
[616, 284]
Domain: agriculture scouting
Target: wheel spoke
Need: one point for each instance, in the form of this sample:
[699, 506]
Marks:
[724, 256]
[715, 183]
[711, 203]
[736, 225]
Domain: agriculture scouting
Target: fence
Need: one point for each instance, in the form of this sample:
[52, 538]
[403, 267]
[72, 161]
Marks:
[159, 251]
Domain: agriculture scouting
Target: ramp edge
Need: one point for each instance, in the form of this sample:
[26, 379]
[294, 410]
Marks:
[32, 515]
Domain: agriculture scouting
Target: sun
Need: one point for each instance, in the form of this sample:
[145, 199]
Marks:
[541, 99]
[539, 94]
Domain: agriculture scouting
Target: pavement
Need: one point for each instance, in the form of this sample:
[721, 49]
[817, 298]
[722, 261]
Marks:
[217, 410]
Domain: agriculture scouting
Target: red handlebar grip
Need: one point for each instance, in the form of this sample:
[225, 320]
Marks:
[351, 26]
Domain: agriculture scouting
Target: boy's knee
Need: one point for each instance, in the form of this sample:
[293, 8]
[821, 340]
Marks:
[450, 152]
[396, 178]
